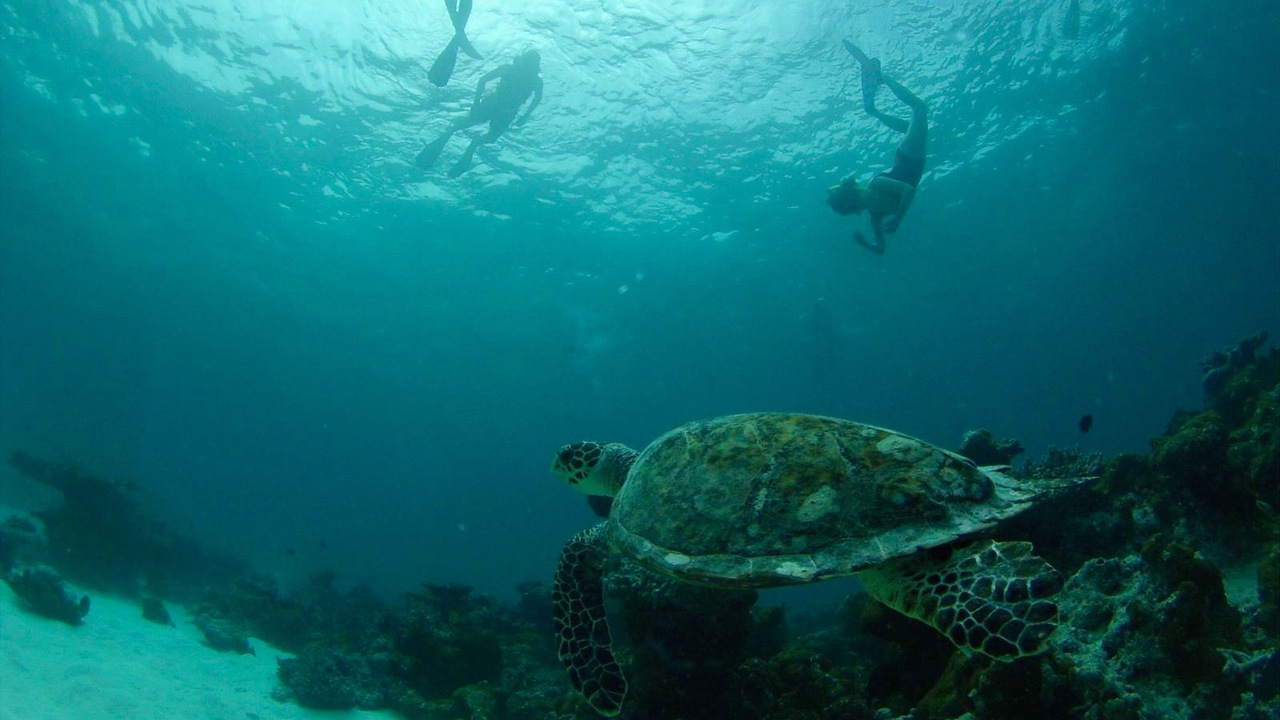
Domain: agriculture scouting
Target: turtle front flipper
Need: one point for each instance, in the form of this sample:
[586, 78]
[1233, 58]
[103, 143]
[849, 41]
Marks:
[585, 644]
[995, 598]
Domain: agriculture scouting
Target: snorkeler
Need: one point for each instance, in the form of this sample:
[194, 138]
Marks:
[889, 194]
[517, 81]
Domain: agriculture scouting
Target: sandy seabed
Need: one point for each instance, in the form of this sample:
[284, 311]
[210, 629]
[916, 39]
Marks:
[120, 666]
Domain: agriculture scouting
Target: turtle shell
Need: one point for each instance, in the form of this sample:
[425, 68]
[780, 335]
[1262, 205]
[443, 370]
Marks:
[768, 499]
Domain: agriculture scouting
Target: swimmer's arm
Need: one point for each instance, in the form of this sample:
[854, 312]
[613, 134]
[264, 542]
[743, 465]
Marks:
[537, 98]
[906, 193]
[491, 75]
[877, 231]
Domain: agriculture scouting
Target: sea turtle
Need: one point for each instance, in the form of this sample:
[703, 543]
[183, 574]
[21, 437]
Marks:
[768, 499]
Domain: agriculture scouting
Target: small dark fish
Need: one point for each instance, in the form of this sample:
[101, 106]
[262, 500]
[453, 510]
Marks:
[442, 69]
[1086, 422]
[290, 552]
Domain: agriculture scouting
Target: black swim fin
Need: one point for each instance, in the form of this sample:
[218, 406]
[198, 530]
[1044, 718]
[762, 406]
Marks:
[459, 17]
[428, 156]
[870, 74]
[856, 52]
[464, 162]
[442, 69]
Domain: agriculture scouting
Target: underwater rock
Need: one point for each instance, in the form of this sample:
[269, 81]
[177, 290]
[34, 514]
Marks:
[153, 609]
[1198, 620]
[1235, 468]
[1259, 673]
[768, 635]
[1235, 376]
[223, 635]
[1254, 451]
[1141, 625]
[918, 657]
[1195, 456]
[687, 641]
[1269, 591]
[22, 539]
[43, 592]
[79, 490]
[100, 537]
[795, 683]
[981, 447]
[976, 688]
[1235, 356]
[315, 611]
[481, 701]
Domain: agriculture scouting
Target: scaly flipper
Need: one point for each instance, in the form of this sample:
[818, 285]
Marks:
[585, 643]
[995, 598]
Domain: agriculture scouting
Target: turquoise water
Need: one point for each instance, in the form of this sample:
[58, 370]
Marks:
[224, 278]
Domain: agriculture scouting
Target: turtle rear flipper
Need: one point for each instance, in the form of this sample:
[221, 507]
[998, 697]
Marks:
[995, 598]
[585, 643]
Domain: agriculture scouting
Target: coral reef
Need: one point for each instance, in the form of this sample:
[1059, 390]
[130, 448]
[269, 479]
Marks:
[1231, 378]
[44, 593]
[1269, 591]
[442, 652]
[1145, 625]
[101, 537]
[326, 678]
[446, 638]
[1171, 607]
[686, 641]
[289, 621]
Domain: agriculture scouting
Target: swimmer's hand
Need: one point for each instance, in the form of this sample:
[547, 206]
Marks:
[891, 226]
[859, 238]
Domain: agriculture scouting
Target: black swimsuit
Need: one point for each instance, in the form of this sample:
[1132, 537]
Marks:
[905, 169]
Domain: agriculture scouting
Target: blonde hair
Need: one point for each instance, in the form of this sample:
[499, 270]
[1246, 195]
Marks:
[845, 197]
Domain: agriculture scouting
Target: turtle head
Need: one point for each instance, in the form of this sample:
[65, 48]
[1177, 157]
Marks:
[594, 468]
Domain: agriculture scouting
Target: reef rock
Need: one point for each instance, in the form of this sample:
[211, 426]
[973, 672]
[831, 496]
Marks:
[982, 447]
[1146, 636]
[43, 591]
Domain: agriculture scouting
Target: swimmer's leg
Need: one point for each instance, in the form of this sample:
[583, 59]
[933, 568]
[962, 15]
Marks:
[917, 129]
[432, 151]
[464, 162]
[428, 156]
[497, 126]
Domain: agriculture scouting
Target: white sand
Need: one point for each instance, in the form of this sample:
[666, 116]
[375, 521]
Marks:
[117, 665]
